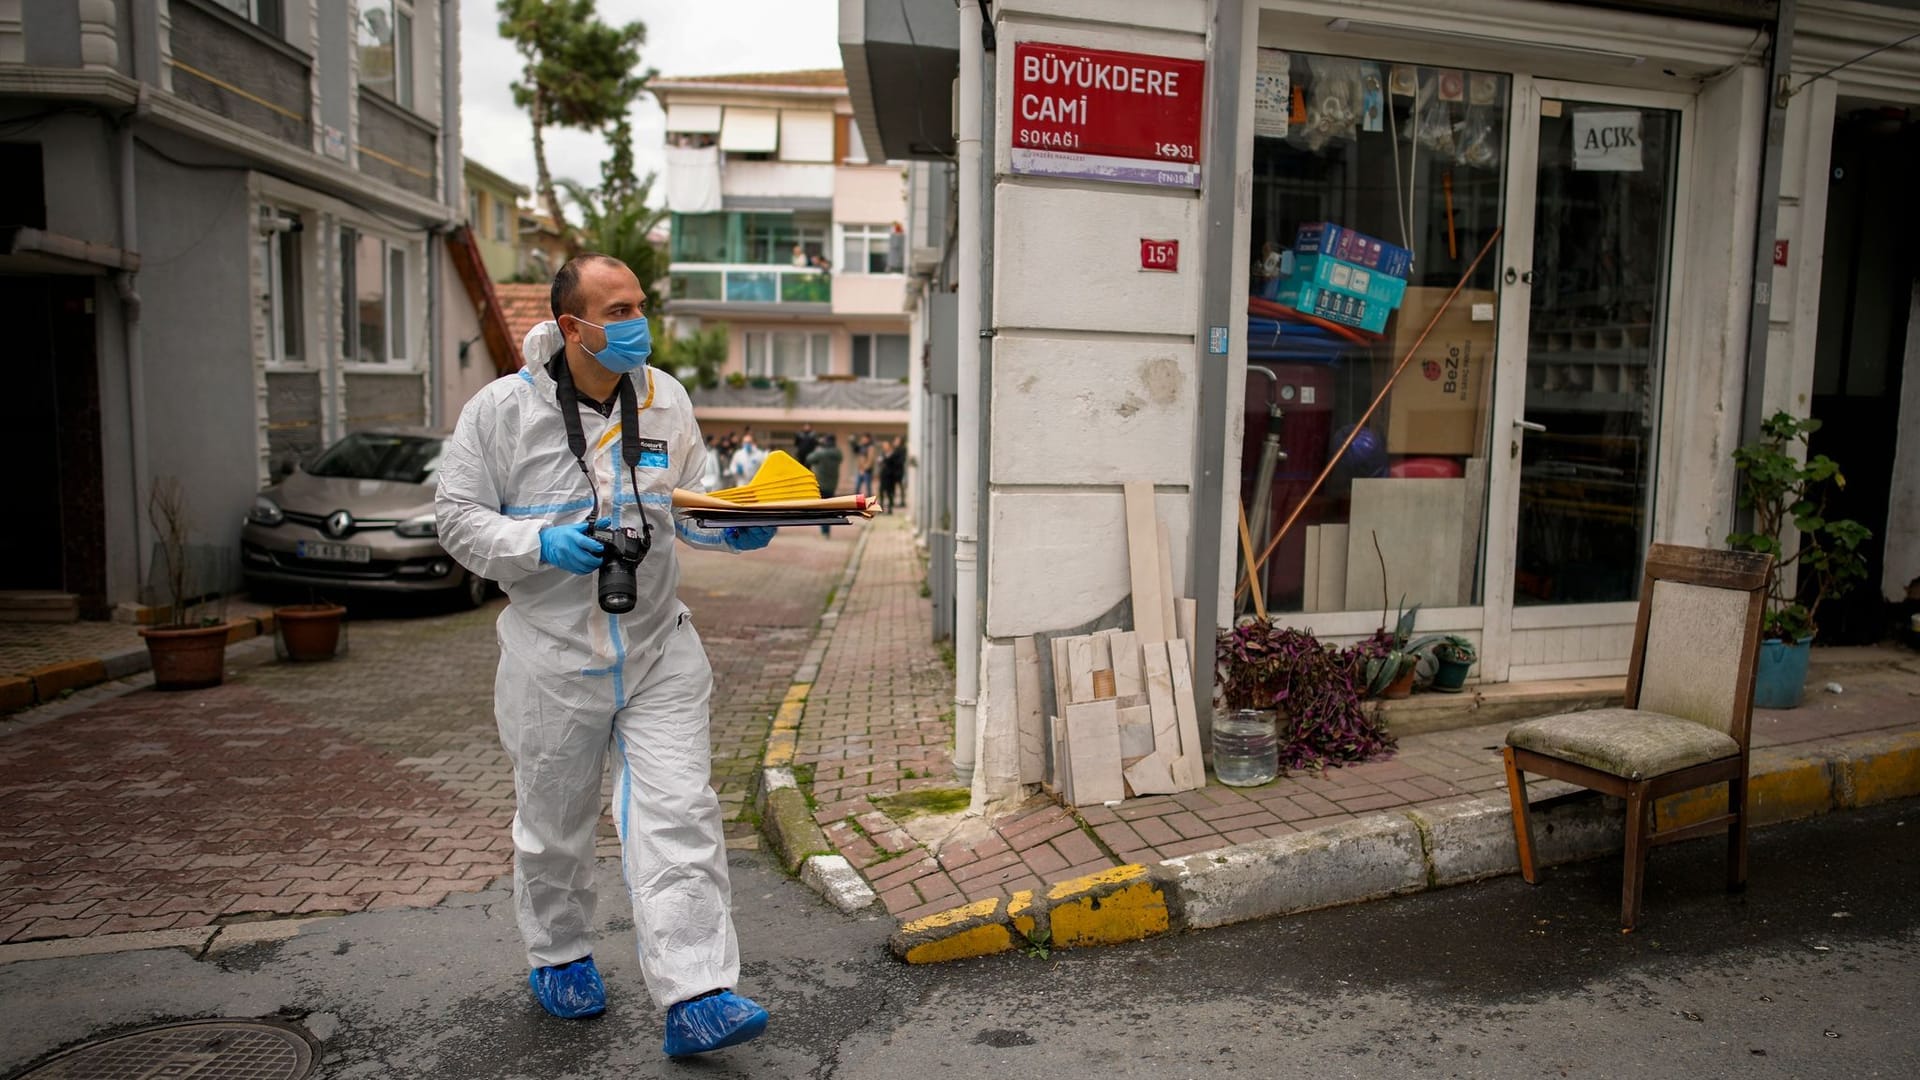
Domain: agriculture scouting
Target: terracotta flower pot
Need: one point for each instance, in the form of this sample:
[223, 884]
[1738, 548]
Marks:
[310, 631]
[186, 658]
[1401, 686]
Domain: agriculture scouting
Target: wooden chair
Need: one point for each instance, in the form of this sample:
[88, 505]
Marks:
[1689, 703]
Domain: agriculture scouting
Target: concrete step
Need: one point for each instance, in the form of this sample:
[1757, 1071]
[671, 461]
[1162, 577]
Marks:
[39, 606]
[1496, 702]
[1512, 702]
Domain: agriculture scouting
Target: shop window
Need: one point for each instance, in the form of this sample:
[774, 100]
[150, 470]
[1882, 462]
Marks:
[373, 291]
[1375, 184]
[880, 356]
[383, 38]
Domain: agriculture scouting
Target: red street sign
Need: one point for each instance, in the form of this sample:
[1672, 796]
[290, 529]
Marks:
[1780, 252]
[1103, 115]
[1159, 254]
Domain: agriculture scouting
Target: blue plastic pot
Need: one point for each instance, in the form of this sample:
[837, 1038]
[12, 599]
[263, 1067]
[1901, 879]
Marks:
[1781, 679]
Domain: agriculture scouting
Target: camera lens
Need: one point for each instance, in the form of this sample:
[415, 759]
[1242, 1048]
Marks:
[616, 588]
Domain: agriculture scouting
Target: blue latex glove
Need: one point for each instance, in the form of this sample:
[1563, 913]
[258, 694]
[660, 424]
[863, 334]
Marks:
[567, 547]
[749, 537]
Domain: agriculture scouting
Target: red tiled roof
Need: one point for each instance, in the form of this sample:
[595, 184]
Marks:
[811, 77]
[525, 306]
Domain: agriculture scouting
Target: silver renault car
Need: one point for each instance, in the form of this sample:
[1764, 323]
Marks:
[358, 517]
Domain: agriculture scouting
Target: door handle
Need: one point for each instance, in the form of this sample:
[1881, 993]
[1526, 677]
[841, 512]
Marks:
[1528, 425]
[1513, 275]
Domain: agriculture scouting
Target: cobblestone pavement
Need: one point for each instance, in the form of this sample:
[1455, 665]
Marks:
[376, 780]
[870, 731]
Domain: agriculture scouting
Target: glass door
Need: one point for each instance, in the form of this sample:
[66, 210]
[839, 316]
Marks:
[1602, 245]
[1596, 183]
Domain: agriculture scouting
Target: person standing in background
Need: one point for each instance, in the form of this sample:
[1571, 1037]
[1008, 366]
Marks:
[804, 443]
[893, 472]
[864, 457]
[825, 461]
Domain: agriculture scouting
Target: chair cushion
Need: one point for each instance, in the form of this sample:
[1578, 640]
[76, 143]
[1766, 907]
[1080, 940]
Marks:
[1627, 743]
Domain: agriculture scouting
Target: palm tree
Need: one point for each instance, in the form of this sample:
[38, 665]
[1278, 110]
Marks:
[622, 227]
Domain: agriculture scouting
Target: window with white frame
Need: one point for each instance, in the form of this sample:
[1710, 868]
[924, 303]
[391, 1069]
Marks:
[373, 299]
[280, 256]
[268, 15]
[880, 356]
[790, 354]
[500, 230]
[473, 210]
[384, 40]
[868, 249]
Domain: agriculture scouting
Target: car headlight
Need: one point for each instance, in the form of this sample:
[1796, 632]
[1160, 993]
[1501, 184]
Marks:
[420, 528]
[265, 512]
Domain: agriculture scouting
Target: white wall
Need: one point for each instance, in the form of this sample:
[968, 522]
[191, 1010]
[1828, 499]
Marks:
[453, 382]
[1094, 366]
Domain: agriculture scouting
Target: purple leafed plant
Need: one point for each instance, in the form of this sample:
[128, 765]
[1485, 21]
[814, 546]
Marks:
[1314, 688]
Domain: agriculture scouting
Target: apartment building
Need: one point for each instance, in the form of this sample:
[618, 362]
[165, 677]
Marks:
[784, 231]
[224, 228]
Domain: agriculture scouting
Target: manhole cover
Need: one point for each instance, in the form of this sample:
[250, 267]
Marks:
[201, 1050]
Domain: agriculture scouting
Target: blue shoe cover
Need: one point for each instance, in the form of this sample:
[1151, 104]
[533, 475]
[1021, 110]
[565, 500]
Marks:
[570, 991]
[709, 1023]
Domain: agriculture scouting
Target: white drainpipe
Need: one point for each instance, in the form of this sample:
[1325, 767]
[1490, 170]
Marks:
[966, 529]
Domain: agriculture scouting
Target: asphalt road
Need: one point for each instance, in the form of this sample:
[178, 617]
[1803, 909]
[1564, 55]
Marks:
[1814, 972]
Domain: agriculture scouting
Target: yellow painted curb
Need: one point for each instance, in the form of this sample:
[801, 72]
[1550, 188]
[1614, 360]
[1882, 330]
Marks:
[979, 941]
[1129, 913]
[781, 746]
[1115, 876]
[1885, 769]
[788, 718]
[979, 909]
[797, 692]
[1798, 788]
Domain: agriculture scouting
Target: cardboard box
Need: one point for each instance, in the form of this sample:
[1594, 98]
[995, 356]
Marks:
[1439, 404]
[1342, 308]
[1326, 238]
[1345, 277]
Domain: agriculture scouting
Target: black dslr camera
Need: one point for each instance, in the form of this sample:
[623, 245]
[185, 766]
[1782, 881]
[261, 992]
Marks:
[621, 552]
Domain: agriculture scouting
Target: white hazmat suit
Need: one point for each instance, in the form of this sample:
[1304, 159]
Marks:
[575, 681]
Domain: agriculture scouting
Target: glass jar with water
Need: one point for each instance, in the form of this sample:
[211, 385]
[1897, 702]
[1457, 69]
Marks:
[1246, 747]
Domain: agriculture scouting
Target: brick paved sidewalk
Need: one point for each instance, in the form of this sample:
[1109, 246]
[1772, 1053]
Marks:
[376, 780]
[1042, 842]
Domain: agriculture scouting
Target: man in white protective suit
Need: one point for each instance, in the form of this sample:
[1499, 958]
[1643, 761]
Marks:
[598, 653]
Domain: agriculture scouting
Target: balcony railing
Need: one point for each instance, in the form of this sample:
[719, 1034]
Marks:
[747, 283]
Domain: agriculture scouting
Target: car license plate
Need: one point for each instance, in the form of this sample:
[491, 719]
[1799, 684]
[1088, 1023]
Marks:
[353, 553]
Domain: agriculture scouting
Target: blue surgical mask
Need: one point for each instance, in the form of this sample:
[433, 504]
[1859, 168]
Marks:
[629, 343]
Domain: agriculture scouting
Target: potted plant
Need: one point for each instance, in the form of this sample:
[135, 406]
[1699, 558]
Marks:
[310, 631]
[1783, 485]
[1445, 660]
[189, 649]
[1391, 661]
[1312, 690]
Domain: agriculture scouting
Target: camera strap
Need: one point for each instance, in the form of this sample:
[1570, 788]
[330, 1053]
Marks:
[569, 401]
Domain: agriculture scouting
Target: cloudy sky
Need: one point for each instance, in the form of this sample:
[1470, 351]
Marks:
[684, 37]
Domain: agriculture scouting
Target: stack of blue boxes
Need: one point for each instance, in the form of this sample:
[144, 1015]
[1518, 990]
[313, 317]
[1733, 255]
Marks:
[1346, 277]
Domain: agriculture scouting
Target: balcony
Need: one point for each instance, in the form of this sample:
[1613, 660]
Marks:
[231, 68]
[746, 288]
[776, 185]
[835, 400]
